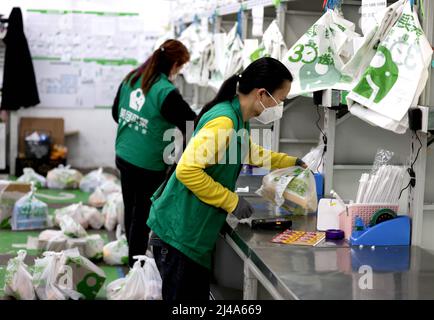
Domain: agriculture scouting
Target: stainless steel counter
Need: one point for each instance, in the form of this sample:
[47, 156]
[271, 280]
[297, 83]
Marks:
[330, 270]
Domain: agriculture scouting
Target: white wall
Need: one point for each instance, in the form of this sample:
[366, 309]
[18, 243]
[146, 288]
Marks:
[94, 145]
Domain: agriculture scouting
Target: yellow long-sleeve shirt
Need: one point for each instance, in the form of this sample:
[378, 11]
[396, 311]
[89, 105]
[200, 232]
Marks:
[208, 147]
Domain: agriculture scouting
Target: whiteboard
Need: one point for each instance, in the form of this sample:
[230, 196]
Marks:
[80, 57]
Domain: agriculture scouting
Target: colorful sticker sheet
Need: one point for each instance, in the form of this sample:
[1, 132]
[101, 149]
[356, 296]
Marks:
[295, 237]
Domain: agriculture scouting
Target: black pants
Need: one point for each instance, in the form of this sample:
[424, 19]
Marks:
[183, 278]
[138, 185]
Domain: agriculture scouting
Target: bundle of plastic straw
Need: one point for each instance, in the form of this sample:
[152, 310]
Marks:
[381, 187]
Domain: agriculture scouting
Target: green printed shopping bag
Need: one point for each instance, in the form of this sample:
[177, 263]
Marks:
[318, 56]
[396, 75]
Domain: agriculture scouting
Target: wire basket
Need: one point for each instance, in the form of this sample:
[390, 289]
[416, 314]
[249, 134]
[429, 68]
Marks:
[364, 211]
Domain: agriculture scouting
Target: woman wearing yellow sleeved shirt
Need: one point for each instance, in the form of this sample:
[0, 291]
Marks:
[188, 214]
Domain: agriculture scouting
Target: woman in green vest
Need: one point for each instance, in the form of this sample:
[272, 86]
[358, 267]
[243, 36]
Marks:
[188, 214]
[146, 106]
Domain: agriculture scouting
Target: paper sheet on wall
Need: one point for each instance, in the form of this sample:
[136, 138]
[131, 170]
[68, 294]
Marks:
[80, 57]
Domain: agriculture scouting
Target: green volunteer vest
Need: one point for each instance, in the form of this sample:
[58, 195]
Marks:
[183, 221]
[141, 127]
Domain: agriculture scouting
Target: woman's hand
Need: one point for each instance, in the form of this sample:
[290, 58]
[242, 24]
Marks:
[300, 163]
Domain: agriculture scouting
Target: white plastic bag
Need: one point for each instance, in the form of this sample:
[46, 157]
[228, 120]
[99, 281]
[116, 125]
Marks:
[92, 180]
[29, 213]
[18, 281]
[317, 58]
[63, 178]
[109, 187]
[95, 179]
[86, 277]
[357, 64]
[314, 159]
[52, 240]
[115, 289]
[113, 211]
[97, 198]
[228, 57]
[153, 280]
[51, 280]
[272, 45]
[396, 76]
[116, 252]
[93, 216]
[71, 228]
[291, 188]
[94, 247]
[29, 176]
[133, 287]
[74, 211]
[141, 283]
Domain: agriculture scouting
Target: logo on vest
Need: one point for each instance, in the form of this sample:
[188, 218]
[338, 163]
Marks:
[137, 99]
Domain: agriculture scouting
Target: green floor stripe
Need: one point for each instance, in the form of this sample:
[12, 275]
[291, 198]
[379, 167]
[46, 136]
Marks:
[9, 237]
[62, 196]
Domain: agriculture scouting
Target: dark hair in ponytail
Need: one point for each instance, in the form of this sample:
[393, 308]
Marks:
[161, 61]
[267, 73]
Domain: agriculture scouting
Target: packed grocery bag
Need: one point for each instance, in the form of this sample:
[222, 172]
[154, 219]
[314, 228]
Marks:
[97, 199]
[66, 275]
[141, 283]
[29, 213]
[113, 212]
[30, 176]
[116, 252]
[18, 280]
[55, 240]
[71, 228]
[52, 240]
[101, 194]
[51, 280]
[74, 211]
[86, 216]
[272, 45]
[291, 188]
[94, 247]
[396, 75]
[317, 58]
[95, 179]
[10, 193]
[94, 217]
[63, 177]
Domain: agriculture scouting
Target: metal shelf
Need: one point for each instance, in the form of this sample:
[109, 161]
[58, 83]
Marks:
[351, 167]
[299, 141]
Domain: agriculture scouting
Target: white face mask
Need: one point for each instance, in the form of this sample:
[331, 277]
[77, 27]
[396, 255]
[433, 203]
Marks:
[270, 114]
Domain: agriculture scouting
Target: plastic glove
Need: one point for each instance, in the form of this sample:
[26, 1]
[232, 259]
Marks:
[243, 210]
[300, 163]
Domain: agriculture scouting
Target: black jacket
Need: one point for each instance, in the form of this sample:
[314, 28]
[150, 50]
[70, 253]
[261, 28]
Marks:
[19, 82]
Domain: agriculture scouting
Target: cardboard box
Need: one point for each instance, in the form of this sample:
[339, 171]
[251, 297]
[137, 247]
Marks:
[10, 192]
[55, 127]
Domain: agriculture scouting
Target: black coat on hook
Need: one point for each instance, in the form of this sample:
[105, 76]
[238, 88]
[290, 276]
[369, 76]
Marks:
[19, 82]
